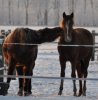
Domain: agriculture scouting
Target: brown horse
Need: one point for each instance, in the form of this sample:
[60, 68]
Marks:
[22, 57]
[78, 56]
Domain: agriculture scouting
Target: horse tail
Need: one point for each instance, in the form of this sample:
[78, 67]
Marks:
[82, 66]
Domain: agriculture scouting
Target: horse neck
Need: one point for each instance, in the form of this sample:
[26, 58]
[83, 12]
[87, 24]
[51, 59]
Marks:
[50, 34]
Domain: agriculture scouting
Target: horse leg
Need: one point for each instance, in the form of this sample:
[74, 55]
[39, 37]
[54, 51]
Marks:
[30, 84]
[11, 69]
[27, 83]
[73, 75]
[63, 66]
[84, 87]
[20, 72]
[85, 73]
[78, 67]
[30, 80]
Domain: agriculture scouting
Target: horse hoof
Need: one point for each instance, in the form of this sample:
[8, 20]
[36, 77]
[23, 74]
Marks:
[60, 93]
[20, 92]
[4, 93]
[27, 93]
[79, 94]
[30, 92]
[75, 94]
[84, 94]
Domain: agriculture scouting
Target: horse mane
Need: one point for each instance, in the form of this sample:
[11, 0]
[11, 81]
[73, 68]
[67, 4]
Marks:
[25, 35]
[62, 24]
[31, 36]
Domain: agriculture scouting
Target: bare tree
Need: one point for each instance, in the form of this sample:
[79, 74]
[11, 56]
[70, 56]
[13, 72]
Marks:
[26, 7]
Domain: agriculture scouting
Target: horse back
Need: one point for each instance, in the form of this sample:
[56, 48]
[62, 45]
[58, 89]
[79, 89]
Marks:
[84, 36]
[12, 47]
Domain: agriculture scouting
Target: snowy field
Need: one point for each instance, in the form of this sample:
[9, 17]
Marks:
[47, 64]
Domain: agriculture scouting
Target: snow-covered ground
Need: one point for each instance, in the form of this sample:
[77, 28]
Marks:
[47, 64]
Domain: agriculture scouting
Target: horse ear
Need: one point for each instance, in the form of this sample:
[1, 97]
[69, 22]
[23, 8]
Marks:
[72, 14]
[64, 15]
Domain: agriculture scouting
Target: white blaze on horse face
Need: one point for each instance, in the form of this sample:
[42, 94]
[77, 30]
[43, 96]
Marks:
[67, 36]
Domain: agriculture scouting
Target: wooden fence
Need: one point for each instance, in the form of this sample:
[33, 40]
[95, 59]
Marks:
[95, 49]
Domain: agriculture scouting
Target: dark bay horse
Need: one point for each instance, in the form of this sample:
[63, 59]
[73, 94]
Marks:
[22, 57]
[78, 56]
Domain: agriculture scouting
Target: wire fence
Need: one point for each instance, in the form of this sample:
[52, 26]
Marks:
[47, 77]
[54, 43]
[44, 77]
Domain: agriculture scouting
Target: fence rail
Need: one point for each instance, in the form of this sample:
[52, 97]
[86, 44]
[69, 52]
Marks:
[54, 43]
[47, 77]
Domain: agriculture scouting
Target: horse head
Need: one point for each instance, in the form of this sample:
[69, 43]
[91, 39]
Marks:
[67, 25]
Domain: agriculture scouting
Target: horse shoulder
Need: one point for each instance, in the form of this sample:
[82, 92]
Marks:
[84, 34]
[82, 31]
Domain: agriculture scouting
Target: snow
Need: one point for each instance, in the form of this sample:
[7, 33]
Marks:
[47, 64]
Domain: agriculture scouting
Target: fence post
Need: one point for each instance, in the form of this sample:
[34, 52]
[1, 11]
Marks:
[1, 61]
[2, 36]
[1, 71]
[93, 53]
